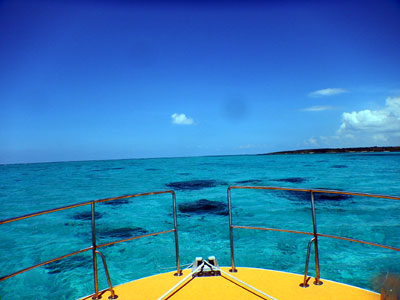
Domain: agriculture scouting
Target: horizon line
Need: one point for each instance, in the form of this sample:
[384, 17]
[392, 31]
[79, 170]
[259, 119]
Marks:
[189, 156]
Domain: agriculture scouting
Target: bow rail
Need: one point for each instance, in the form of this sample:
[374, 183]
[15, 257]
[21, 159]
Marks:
[95, 246]
[315, 233]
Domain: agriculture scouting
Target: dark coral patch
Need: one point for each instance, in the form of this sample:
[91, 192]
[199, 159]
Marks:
[296, 196]
[121, 233]
[87, 216]
[331, 197]
[318, 197]
[204, 206]
[291, 180]
[192, 184]
[250, 181]
[68, 263]
[107, 169]
[116, 202]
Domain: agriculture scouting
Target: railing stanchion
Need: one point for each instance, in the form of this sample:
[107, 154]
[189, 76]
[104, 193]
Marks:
[110, 288]
[94, 249]
[304, 284]
[178, 270]
[97, 294]
[231, 231]
[317, 275]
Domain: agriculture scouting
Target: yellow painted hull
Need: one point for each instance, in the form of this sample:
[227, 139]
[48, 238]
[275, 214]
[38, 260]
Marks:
[280, 285]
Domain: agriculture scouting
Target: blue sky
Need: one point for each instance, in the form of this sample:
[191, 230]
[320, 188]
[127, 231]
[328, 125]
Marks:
[87, 80]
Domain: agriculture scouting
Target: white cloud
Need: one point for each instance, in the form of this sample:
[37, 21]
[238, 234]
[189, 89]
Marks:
[385, 121]
[366, 128]
[379, 137]
[327, 92]
[317, 108]
[313, 141]
[181, 119]
[249, 146]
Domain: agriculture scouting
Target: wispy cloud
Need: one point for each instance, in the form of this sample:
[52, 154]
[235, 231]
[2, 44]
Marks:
[317, 108]
[249, 146]
[311, 142]
[181, 119]
[328, 92]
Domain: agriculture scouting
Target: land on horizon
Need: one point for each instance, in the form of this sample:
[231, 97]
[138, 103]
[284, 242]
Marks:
[339, 150]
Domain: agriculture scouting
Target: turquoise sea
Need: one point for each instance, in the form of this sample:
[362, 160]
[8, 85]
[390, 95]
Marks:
[201, 185]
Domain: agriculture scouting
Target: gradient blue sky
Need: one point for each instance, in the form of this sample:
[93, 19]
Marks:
[87, 80]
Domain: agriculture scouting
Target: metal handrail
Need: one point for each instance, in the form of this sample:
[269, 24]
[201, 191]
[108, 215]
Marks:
[110, 288]
[304, 284]
[94, 245]
[315, 234]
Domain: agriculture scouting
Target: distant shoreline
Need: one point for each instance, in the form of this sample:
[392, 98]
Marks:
[338, 150]
[303, 151]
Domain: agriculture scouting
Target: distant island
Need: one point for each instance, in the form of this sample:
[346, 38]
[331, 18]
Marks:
[338, 150]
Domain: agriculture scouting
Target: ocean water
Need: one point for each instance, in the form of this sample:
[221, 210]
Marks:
[201, 185]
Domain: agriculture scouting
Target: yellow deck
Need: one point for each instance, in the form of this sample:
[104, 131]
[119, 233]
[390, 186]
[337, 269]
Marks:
[280, 285]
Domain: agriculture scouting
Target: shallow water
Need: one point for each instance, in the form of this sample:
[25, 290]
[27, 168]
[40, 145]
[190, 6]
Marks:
[199, 182]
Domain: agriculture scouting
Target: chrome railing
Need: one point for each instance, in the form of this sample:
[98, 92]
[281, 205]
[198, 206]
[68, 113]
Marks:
[95, 246]
[315, 233]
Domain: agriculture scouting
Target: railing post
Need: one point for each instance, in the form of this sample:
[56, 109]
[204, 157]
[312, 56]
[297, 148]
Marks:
[317, 275]
[110, 288]
[94, 249]
[304, 284]
[231, 231]
[178, 270]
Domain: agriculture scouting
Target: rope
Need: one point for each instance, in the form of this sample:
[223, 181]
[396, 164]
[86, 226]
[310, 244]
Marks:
[242, 282]
[180, 282]
[212, 269]
[188, 266]
[174, 267]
